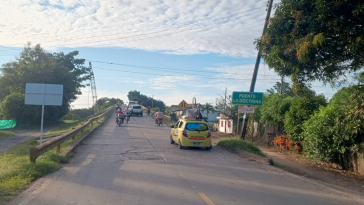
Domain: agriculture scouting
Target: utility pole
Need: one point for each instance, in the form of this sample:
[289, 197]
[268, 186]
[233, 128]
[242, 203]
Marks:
[93, 89]
[257, 62]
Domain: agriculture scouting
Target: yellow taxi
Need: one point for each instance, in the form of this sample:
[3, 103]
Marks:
[190, 132]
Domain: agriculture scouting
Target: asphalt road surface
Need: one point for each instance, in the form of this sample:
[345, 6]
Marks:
[136, 164]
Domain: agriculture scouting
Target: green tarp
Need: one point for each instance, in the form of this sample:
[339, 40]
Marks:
[5, 124]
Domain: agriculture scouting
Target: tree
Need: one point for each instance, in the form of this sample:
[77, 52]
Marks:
[301, 110]
[274, 109]
[208, 108]
[227, 107]
[37, 66]
[315, 40]
[286, 89]
[145, 100]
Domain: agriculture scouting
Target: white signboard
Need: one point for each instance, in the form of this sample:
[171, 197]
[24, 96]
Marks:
[43, 94]
[243, 109]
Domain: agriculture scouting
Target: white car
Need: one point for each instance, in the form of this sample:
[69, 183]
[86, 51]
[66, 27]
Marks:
[136, 110]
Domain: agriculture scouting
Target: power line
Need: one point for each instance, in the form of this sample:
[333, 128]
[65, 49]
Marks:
[173, 75]
[158, 68]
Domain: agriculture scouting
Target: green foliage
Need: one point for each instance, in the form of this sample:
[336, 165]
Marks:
[232, 144]
[274, 108]
[323, 134]
[37, 66]
[155, 109]
[315, 40]
[285, 91]
[145, 100]
[342, 96]
[83, 113]
[208, 108]
[71, 116]
[301, 110]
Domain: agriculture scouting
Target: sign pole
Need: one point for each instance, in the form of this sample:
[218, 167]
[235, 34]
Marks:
[41, 125]
[237, 126]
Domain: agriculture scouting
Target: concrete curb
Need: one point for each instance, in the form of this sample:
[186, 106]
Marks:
[248, 155]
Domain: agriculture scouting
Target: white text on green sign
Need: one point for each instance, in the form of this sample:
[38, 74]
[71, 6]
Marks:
[247, 98]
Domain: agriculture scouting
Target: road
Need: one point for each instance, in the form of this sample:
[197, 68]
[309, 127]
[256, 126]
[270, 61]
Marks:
[136, 164]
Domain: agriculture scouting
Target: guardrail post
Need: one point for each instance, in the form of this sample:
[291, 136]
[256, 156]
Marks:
[58, 149]
[32, 153]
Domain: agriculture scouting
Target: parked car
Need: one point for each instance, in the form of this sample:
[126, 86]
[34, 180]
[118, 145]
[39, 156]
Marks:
[190, 132]
[136, 110]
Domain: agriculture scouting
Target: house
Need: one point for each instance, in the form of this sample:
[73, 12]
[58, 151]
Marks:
[225, 124]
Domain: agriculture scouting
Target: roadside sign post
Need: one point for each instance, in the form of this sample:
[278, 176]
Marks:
[247, 98]
[43, 94]
[183, 104]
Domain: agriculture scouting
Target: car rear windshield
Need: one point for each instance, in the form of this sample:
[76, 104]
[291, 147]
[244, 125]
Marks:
[197, 126]
[137, 107]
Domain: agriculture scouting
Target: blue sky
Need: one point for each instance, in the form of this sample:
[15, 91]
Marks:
[170, 49]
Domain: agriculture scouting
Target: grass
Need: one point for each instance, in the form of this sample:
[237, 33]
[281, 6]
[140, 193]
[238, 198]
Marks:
[16, 170]
[230, 143]
[69, 121]
[70, 124]
[5, 134]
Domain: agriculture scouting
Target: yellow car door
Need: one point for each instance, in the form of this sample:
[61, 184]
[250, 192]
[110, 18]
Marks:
[179, 130]
[175, 131]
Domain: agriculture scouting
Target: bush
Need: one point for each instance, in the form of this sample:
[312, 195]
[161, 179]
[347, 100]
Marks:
[322, 133]
[155, 109]
[301, 110]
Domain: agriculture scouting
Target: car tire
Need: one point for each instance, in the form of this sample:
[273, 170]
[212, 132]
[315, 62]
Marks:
[141, 115]
[180, 144]
[172, 142]
[209, 148]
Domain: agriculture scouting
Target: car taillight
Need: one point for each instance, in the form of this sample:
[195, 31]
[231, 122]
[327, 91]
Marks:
[184, 133]
[209, 134]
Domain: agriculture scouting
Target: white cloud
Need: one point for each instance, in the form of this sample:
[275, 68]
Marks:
[226, 27]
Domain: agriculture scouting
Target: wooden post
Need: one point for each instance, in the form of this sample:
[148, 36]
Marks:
[253, 127]
[237, 126]
[32, 153]
[58, 149]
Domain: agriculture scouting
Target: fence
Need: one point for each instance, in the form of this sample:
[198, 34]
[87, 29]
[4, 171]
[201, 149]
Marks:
[36, 151]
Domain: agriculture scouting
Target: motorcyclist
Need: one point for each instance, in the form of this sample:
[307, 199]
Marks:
[158, 115]
[120, 111]
[128, 113]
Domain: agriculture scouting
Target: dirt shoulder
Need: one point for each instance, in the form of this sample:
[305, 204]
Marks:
[22, 135]
[299, 165]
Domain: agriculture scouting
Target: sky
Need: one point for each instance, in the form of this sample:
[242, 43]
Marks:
[172, 50]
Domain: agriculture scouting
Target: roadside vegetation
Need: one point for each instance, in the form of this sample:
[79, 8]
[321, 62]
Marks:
[17, 171]
[231, 144]
[310, 41]
[5, 134]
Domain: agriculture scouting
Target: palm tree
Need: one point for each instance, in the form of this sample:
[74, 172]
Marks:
[208, 108]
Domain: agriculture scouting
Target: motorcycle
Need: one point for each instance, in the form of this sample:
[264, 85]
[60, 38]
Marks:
[128, 117]
[159, 122]
[121, 119]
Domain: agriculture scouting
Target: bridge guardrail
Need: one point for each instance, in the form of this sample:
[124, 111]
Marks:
[36, 151]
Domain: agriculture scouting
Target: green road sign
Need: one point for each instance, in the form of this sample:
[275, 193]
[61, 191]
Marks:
[247, 98]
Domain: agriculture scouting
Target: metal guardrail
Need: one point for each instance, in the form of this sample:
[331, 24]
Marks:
[36, 151]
